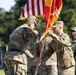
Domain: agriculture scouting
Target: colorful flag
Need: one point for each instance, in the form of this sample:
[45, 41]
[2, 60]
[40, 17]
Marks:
[52, 10]
[33, 7]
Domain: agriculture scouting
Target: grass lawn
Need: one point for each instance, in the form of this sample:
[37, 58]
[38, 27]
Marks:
[1, 72]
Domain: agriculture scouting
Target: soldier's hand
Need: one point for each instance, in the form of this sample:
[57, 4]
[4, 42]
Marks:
[38, 61]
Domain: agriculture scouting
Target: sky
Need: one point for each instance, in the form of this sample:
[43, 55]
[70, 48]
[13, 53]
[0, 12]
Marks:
[6, 4]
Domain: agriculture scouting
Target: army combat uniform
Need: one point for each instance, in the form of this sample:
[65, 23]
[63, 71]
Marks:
[15, 59]
[49, 63]
[73, 37]
[74, 49]
[62, 46]
[31, 62]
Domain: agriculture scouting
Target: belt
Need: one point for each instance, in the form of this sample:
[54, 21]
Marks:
[68, 67]
[16, 50]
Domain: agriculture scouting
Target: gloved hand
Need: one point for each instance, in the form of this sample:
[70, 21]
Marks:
[54, 36]
[38, 61]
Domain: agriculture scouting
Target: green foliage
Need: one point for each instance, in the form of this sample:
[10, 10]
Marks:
[9, 20]
[40, 23]
[68, 13]
[18, 7]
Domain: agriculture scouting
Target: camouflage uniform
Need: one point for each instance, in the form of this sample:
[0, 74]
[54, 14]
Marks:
[15, 59]
[31, 62]
[74, 48]
[49, 64]
[62, 46]
[73, 37]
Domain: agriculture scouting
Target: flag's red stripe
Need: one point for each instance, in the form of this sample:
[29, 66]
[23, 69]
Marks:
[23, 13]
[38, 7]
[28, 7]
[43, 3]
[33, 11]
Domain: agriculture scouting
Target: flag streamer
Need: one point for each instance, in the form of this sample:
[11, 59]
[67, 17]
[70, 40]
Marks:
[53, 8]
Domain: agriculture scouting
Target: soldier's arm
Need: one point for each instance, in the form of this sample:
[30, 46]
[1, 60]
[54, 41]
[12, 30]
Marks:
[28, 33]
[29, 53]
[48, 53]
[64, 39]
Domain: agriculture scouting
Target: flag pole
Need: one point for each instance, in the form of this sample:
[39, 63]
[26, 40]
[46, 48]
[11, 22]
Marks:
[43, 44]
[47, 32]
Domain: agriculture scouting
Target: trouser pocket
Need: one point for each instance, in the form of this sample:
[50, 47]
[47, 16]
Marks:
[21, 69]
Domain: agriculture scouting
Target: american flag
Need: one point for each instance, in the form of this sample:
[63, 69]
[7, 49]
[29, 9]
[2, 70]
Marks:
[33, 7]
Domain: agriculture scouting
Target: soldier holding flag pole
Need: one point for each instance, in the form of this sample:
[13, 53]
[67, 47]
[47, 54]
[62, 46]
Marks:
[52, 9]
[61, 44]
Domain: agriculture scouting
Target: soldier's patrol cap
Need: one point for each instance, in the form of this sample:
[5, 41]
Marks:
[73, 29]
[58, 23]
[32, 18]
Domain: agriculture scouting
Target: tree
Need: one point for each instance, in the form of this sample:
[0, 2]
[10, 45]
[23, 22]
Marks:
[68, 14]
[9, 20]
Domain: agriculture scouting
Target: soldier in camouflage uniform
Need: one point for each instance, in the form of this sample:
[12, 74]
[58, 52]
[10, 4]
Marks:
[63, 48]
[15, 59]
[49, 62]
[49, 65]
[73, 37]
